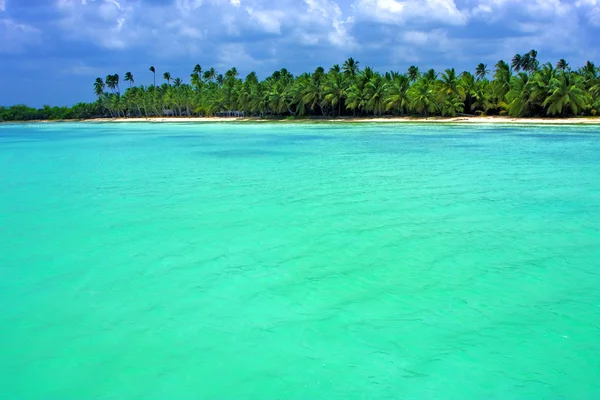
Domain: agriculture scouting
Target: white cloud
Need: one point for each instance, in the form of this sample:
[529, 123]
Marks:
[188, 5]
[82, 69]
[2, 5]
[268, 20]
[415, 11]
[333, 20]
[433, 32]
[16, 37]
[592, 9]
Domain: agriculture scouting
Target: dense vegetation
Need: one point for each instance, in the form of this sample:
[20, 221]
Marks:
[523, 88]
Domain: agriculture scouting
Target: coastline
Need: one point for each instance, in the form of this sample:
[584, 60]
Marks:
[439, 120]
[467, 120]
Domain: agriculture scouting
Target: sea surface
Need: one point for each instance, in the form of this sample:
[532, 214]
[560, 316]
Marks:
[299, 261]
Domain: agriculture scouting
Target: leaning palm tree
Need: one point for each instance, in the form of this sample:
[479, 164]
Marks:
[99, 87]
[116, 80]
[129, 78]
[110, 82]
[167, 77]
[517, 63]
[481, 71]
[154, 73]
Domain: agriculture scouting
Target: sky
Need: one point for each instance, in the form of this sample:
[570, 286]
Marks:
[51, 51]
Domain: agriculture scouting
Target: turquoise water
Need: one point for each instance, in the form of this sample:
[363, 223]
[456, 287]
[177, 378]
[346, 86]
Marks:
[224, 261]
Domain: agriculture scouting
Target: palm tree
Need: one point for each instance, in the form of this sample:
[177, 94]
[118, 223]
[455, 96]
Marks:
[167, 77]
[589, 72]
[481, 71]
[482, 96]
[450, 106]
[430, 75]
[562, 65]
[196, 80]
[516, 63]
[540, 83]
[523, 88]
[451, 84]
[469, 90]
[110, 82]
[413, 73]
[116, 80]
[519, 99]
[501, 84]
[350, 67]
[129, 78]
[567, 93]
[278, 98]
[397, 98]
[154, 73]
[423, 97]
[357, 97]
[312, 94]
[334, 89]
[99, 87]
[210, 75]
[531, 63]
[375, 91]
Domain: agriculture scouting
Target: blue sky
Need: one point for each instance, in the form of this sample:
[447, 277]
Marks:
[52, 50]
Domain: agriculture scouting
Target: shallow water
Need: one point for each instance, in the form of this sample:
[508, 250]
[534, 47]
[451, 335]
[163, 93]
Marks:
[251, 261]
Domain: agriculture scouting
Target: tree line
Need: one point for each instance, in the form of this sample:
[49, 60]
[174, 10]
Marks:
[521, 88]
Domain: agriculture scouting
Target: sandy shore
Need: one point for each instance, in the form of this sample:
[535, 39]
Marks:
[466, 120]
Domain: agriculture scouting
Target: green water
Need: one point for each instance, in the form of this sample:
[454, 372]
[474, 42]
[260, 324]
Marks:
[224, 261]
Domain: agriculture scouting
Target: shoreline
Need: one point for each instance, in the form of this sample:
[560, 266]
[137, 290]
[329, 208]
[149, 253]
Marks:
[454, 120]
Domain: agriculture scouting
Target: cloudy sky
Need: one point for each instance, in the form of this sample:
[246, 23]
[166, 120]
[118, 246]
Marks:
[52, 50]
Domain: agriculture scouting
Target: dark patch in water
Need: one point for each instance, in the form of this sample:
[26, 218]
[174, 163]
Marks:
[284, 139]
[242, 153]
[12, 141]
[469, 145]
[178, 137]
[555, 137]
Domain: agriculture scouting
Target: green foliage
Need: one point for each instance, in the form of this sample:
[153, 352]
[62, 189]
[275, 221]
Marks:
[521, 89]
